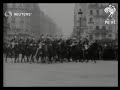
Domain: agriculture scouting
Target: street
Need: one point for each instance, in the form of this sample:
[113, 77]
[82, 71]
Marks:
[103, 73]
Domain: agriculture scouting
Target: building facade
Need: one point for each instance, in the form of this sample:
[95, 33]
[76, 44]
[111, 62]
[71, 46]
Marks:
[34, 25]
[93, 24]
[18, 24]
[5, 22]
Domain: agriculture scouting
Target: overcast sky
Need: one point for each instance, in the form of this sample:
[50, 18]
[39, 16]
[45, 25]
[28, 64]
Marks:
[63, 15]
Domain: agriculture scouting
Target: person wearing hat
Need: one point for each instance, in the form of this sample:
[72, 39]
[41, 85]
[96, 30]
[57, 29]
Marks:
[14, 39]
[20, 40]
[47, 40]
[33, 40]
[28, 40]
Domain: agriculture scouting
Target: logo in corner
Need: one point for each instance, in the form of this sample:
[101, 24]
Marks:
[110, 9]
[8, 14]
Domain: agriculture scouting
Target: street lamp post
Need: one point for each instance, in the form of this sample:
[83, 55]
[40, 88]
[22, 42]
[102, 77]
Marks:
[80, 13]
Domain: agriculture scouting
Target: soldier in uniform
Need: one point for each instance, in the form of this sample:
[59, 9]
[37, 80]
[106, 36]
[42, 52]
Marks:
[48, 40]
[27, 43]
[73, 41]
[40, 39]
[13, 42]
[28, 40]
[32, 40]
[55, 37]
[14, 39]
[21, 40]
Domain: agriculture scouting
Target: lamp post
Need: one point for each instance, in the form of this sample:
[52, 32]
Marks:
[80, 13]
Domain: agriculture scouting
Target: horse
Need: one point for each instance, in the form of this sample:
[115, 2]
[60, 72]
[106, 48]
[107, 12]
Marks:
[116, 52]
[6, 51]
[38, 52]
[26, 52]
[74, 51]
[68, 50]
[44, 52]
[60, 51]
[91, 52]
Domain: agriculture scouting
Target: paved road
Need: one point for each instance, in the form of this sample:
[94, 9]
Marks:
[103, 73]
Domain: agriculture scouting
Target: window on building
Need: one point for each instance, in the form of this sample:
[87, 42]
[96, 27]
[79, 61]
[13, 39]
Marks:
[97, 27]
[91, 20]
[104, 28]
[110, 35]
[97, 12]
[91, 12]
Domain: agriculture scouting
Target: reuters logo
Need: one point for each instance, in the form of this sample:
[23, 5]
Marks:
[8, 14]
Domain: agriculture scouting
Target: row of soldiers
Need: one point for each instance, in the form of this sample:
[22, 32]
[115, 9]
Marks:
[32, 40]
[48, 39]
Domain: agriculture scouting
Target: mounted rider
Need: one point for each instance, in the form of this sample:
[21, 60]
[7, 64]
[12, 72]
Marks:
[28, 40]
[49, 40]
[21, 40]
[74, 42]
[13, 42]
[14, 39]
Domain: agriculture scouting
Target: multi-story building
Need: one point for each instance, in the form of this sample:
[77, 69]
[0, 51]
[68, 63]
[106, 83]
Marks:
[5, 23]
[34, 25]
[18, 24]
[80, 25]
[92, 22]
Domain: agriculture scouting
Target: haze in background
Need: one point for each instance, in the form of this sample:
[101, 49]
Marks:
[62, 14]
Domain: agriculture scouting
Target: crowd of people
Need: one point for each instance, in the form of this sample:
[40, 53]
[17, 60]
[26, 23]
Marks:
[48, 50]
